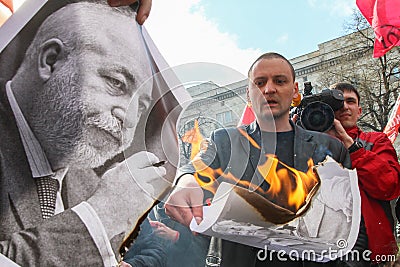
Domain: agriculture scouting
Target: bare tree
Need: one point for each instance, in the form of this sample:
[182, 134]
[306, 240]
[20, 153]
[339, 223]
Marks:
[377, 79]
[188, 135]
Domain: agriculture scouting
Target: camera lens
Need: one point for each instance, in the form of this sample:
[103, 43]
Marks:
[317, 116]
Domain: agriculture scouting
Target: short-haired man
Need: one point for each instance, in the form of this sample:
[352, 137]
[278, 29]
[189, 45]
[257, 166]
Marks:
[64, 113]
[271, 89]
[373, 156]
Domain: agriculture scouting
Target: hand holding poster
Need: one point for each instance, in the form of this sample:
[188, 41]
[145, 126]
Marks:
[247, 115]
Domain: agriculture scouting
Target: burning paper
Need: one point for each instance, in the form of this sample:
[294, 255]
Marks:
[328, 221]
[289, 189]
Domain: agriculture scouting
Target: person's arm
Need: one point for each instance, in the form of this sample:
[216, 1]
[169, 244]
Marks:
[339, 132]
[186, 200]
[69, 237]
[164, 232]
[344, 157]
[143, 11]
[378, 169]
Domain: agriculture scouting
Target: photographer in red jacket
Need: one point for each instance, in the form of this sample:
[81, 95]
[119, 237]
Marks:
[378, 170]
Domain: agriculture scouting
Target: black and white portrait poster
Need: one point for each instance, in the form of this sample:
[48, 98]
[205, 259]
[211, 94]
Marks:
[88, 103]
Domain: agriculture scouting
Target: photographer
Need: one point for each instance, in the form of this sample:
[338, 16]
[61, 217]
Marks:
[378, 170]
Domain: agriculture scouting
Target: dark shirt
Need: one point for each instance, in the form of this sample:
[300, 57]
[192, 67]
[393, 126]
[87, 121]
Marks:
[282, 148]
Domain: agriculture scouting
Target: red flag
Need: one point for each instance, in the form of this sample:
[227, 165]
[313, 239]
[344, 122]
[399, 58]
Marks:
[247, 116]
[384, 18]
[393, 125]
[8, 4]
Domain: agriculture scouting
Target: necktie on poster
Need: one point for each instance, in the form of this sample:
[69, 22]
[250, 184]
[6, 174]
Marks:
[247, 115]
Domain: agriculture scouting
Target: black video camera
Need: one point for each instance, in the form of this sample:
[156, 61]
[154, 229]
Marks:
[316, 111]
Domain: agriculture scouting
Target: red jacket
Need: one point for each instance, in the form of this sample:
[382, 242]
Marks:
[378, 173]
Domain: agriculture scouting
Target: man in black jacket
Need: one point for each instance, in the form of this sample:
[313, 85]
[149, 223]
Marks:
[270, 91]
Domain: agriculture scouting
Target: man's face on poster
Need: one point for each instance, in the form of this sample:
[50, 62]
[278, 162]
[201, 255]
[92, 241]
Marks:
[95, 97]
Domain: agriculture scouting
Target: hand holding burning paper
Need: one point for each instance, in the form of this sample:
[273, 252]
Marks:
[286, 193]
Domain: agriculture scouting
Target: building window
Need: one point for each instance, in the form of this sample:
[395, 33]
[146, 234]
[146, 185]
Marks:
[225, 117]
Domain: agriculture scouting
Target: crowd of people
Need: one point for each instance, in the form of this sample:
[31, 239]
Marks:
[60, 124]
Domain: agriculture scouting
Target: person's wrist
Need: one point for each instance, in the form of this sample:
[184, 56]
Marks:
[355, 146]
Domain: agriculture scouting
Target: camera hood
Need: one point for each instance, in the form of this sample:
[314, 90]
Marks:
[333, 97]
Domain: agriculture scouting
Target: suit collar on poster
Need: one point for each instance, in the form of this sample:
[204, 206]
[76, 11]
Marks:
[37, 159]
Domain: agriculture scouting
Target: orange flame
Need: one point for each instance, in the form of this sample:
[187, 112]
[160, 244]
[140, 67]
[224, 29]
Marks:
[206, 176]
[288, 187]
[193, 137]
[251, 140]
